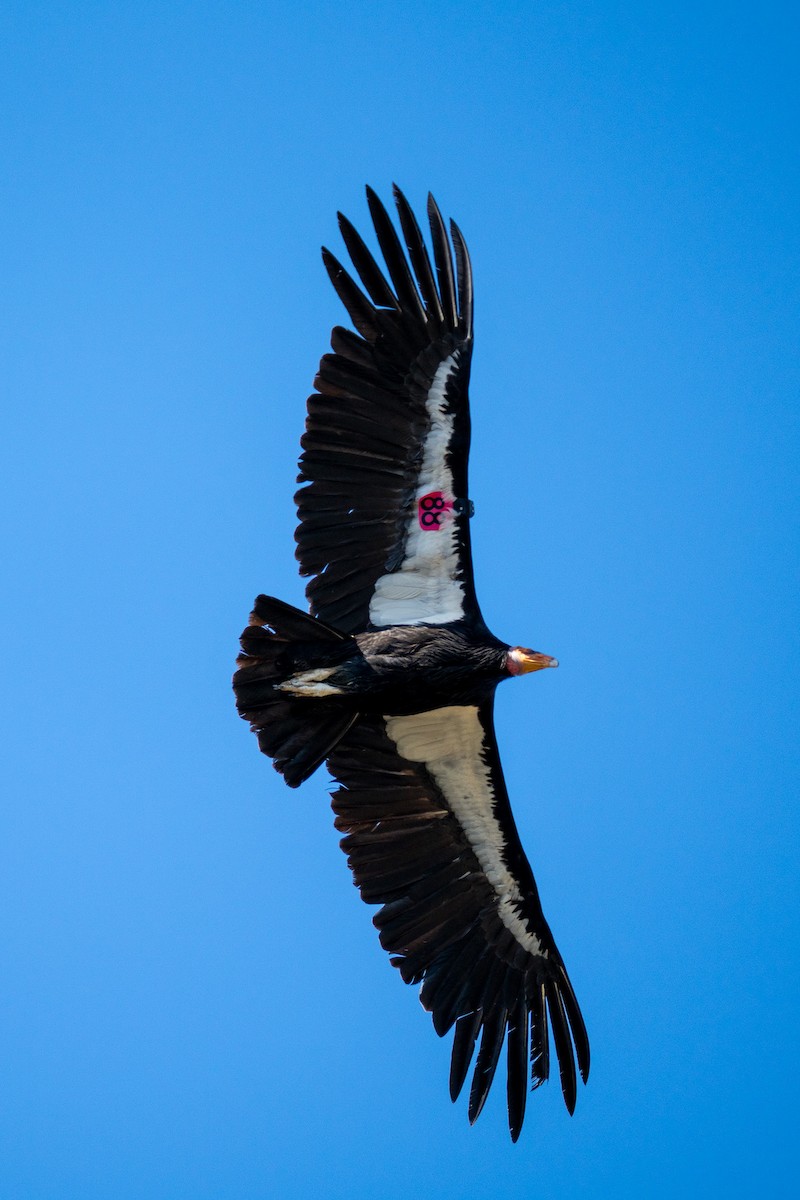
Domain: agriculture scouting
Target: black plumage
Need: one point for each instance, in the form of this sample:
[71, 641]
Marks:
[391, 677]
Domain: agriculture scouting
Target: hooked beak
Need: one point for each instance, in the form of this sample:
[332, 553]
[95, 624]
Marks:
[520, 661]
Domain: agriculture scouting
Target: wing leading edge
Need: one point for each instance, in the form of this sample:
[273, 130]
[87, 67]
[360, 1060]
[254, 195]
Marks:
[430, 837]
[384, 510]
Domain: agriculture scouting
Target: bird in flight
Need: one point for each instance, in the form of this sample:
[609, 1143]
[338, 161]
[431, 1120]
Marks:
[390, 679]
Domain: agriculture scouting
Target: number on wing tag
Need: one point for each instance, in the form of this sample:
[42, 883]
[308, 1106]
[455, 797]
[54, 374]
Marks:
[431, 509]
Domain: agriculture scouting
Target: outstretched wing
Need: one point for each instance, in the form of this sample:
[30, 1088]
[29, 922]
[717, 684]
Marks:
[384, 513]
[431, 838]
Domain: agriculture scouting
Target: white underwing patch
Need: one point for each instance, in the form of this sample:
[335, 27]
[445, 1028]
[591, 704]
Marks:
[425, 588]
[451, 743]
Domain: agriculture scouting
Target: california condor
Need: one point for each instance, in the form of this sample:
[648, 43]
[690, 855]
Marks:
[391, 679]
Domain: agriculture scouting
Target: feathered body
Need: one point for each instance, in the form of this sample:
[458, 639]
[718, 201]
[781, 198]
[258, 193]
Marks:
[391, 677]
[397, 670]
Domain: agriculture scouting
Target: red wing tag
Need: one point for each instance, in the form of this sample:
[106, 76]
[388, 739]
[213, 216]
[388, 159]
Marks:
[431, 509]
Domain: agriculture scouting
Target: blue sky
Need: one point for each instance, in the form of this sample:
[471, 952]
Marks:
[193, 1002]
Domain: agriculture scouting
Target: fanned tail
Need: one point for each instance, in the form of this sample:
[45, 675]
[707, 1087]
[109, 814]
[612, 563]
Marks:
[298, 733]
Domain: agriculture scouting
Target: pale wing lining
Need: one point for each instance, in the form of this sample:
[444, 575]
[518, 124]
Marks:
[425, 588]
[450, 742]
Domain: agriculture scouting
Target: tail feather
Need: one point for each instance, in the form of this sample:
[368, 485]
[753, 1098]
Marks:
[292, 623]
[298, 733]
[298, 738]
